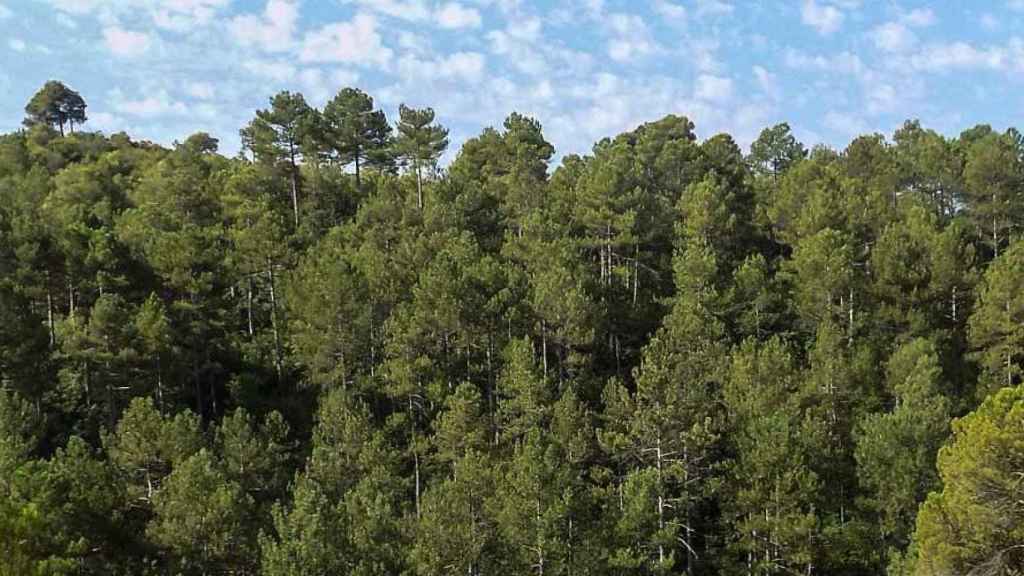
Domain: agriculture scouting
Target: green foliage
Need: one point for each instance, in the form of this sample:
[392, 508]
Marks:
[896, 449]
[55, 105]
[660, 357]
[419, 143]
[776, 150]
[198, 516]
[973, 524]
[997, 325]
[355, 132]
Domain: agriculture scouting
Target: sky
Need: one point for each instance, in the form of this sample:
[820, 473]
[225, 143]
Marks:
[587, 69]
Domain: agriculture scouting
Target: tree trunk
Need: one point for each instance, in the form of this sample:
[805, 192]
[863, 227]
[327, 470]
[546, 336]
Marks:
[661, 507]
[954, 303]
[415, 454]
[636, 274]
[273, 321]
[249, 307]
[1009, 354]
[850, 334]
[49, 315]
[159, 384]
[544, 345]
[492, 405]
[419, 187]
[295, 184]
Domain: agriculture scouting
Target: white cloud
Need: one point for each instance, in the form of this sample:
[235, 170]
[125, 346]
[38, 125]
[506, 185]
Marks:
[844, 63]
[200, 90]
[279, 71]
[155, 105]
[919, 18]
[126, 43]
[670, 10]
[704, 54]
[103, 120]
[183, 15]
[768, 82]
[464, 66]
[543, 91]
[893, 37]
[413, 42]
[825, 19]
[356, 42]
[713, 8]
[959, 55]
[314, 86]
[845, 124]
[344, 77]
[519, 44]
[17, 44]
[273, 31]
[631, 38]
[77, 6]
[5, 12]
[175, 15]
[412, 10]
[898, 36]
[454, 15]
[712, 88]
[66, 21]
[319, 86]
[882, 98]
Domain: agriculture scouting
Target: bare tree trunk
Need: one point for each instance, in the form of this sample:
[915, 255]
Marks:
[636, 274]
[415, 453]
[373, 344]
[1009, 355]
[419, 187]
[995, 232]
[273, 321]
[661, 507]
[49, 314]
[492, 404]
[295, 184]
[249, 307]
[850, 335]
[544, 345]
[159, 383]
[954, 303]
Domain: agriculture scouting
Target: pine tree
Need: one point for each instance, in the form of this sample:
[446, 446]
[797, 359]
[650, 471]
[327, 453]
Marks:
[996, 333]
[276, 136]
[896, 449]
[356, 132]
[972, 524]
[419, 143]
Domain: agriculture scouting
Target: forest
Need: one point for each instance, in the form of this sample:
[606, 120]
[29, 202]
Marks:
[334, 354]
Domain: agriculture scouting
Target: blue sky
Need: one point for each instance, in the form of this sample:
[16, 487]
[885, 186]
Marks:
[162, 69]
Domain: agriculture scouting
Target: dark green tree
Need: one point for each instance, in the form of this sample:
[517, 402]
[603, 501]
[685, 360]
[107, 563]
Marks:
[419, 142]
[356, 132]
[55, 105]
[276, 136]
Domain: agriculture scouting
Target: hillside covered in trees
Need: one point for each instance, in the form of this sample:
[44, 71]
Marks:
[329, 356]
